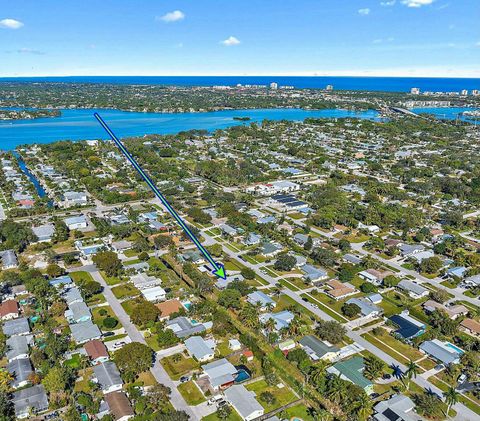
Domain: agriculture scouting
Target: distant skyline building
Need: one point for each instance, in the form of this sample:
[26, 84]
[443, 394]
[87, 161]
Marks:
[274, 85]
[475, 92]
[329, 88]
[415, 91]
[464, 92]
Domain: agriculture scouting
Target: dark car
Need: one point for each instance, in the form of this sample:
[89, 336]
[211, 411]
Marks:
[184, 379]
[386, 376]
[108, 334]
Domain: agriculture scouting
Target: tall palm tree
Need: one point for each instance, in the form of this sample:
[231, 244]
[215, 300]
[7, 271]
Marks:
[336, 388]
[451, 397]
[316, 374]
[412, 371]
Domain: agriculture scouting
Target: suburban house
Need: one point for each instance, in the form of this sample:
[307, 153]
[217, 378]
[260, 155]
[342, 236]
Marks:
[470, 326]
[144, 281]
[443, 352]
[18, 326]
[76, 222]
[96, 351]
[414, 290]
[398, 408]
[78, 312]
[9, 259]
[72, 295]
[108, 377]
[20, 369]
[119, 406]
[183, 327]
[200, 349]
[61, 281]
[154, 294]
[228, 230]
[408, 327]
[32, 399]
[456, 272]
[44, 232]
[317, 349]
[221, 373]
[121, 246]
[408, 250]
[373, 276]
[367, 308]
[252, 239]
[270, 249]
[9, 310]
[85, 331]
[260, 298]
[352, 370]
[244, 402]
[351, 258]
[313, 274]
[73, 198]
[453, 311]
[281, 319]
[338, 290]
[17, 347]
[169, 307]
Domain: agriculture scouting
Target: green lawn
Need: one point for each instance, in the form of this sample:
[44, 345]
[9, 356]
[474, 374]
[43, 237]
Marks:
[99, 316]
[80, 276]
[110, 280]
[74, 362]
[324, 307]
[191, 393]
[177, 369]
[299, 411]
[125, 290]
[232, 417]
[404, 349]
[373, 340]
[283, 396]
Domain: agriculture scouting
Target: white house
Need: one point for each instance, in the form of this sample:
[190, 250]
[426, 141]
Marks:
[244, 402]
[154, 294]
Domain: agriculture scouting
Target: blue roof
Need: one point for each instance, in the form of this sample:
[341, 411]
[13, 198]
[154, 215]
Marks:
[61, 280]
[406, 329]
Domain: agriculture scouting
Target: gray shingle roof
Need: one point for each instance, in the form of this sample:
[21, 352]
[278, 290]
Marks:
[16, 326]
[20, 370]
[33, 397]
[85, 331]
[107, 374]
[243, 401]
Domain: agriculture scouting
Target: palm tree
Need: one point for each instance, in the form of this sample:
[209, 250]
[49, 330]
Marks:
[363, 406]
[336, 388]
[451, 397]
[412, 371]
[269, 325]
[317, 373]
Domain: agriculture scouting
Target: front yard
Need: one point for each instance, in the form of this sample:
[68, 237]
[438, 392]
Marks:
[177, 368]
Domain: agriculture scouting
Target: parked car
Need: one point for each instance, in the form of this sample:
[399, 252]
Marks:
[386, 376]
[184, 379]
[462, 378]
[108, 334]
[215, 399]
[221, 403]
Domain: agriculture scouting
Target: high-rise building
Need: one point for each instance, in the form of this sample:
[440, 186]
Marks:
[329, 88]
[464, 92]
[475, 92]
[415, 91]
[274, 85]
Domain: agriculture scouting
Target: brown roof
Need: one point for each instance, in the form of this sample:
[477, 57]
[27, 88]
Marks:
[338, 289]
[96, 349]
[471, 325]
[119, 404]
[169, 307]
[8, 307]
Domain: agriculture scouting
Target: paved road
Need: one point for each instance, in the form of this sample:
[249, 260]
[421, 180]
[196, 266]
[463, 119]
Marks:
[463, 413]
[136, 336]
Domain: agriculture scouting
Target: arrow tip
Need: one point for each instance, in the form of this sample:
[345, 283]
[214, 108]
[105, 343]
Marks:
[220, 271]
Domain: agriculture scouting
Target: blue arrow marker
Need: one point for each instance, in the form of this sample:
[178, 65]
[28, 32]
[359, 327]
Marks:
[218, 268]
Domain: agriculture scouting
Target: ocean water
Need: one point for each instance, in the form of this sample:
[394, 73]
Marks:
[81, 125]
[388, 84]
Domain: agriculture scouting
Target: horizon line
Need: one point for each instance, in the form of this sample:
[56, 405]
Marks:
[243, 75]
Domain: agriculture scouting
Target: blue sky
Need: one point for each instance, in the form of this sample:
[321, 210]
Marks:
[240, 37]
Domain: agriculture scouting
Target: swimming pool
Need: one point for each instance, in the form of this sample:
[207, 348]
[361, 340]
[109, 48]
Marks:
[455, 348]
[242, 376]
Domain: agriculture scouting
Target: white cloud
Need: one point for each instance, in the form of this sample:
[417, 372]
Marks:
[364, 12]
[478, 44]
[417, 3]
[10, 24]
[388, 3]
[230, 41]
[174, 16]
